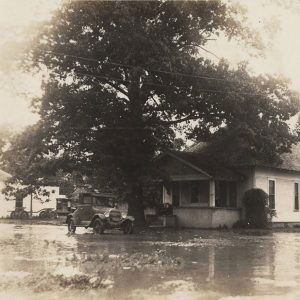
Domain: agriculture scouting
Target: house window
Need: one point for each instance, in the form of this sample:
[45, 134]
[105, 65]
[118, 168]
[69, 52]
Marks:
[272, 194]
[232, 194]
[296, 193]
[175, 193]
[223, 194]
[226, 193]
[203, 191]
[194, 192]
[200, 191]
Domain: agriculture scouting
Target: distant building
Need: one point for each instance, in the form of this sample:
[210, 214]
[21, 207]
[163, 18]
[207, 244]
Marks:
[206, 194]
[5, 206]
[47, 201]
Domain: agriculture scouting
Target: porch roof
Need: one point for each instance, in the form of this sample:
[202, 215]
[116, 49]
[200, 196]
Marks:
[206, 165]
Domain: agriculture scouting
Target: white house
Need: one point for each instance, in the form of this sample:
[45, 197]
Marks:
[205, 194]
[47, 201]
[7, 206]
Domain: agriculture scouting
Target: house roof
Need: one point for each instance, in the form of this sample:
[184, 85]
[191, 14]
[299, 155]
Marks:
[205, 164]
[197, 147]
[289, 161]
[198, 157]
[4, 176]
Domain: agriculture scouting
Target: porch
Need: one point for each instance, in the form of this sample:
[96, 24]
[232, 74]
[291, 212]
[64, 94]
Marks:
[203, 203]
[201, 197]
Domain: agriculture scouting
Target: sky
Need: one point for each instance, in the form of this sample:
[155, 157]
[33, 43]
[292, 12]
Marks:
[17, 89]
[277, 20]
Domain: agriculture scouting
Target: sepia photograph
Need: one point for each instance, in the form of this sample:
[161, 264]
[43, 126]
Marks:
[150, 150]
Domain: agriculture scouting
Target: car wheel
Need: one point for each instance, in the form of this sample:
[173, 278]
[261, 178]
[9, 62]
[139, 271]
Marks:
[128, 227]
[47, 215]
[71, 226]
[13, 215]
[24, 215]
[98, 226]
[42, 215]
[53, 215]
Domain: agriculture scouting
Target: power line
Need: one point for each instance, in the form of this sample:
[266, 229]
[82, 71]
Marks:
[148, 128]
[151, 70]
[162, 85]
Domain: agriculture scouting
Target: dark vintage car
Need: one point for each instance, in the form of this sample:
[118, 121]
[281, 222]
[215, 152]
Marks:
[47, 213]
[19, 213]
[99, 217]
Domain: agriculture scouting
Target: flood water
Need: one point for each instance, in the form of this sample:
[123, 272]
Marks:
[43, 262]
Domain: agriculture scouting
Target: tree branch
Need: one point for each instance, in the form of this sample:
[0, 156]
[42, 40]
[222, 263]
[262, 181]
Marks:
[197, 45]
[157, 107]
[187, 118]
[118, 88]
[172, 122]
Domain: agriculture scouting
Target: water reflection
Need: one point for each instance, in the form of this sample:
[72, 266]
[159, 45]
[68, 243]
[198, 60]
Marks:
[211, 263]
[227, 263]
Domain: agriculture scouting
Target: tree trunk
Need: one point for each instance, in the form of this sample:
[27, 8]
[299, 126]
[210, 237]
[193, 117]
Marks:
[136, 208]
[135, 201]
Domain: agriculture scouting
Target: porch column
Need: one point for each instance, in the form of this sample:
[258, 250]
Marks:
[212, 194]
[167, 198]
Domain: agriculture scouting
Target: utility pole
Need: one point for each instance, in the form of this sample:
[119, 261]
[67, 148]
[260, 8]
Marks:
[31, 205]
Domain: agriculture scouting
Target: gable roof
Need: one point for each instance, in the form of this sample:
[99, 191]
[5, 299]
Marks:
[190, 163]
[205, 165]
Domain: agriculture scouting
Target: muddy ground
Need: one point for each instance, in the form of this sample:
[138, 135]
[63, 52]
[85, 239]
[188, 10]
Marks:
[44, 262]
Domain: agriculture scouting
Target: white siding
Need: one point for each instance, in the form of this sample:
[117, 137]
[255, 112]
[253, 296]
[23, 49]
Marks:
[7, 206]
[45, 202]
[284, 191]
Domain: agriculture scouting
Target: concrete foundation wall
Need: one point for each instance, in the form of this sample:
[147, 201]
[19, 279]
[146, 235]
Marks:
[193, 217]
[225, 217]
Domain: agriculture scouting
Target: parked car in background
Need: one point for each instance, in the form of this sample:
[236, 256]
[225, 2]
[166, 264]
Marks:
[47, 213]
[19, 213]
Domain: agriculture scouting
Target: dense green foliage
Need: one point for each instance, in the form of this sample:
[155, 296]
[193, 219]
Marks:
[124, 77]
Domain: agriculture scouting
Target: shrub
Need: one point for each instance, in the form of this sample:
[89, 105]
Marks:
[257, 212]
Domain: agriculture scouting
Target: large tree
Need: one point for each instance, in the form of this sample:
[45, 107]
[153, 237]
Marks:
[124, 77]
